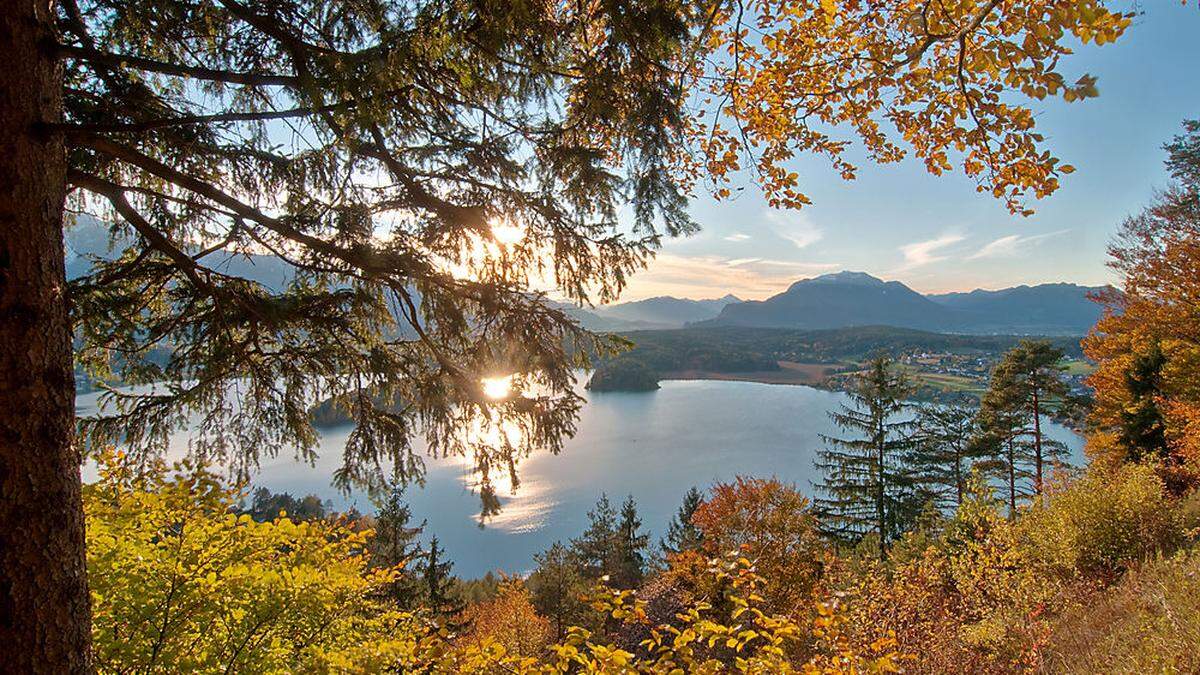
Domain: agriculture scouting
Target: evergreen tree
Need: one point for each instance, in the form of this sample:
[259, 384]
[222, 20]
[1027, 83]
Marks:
[630, 548]
[439, 587]
[596, 547]
[1028, 384]
[945, 446]
[395, 543]
[1142, 429]
[868, 487]
[556, 588]
[1001, 425]
[682, 533]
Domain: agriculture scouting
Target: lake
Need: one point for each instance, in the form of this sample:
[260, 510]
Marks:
[653, 445]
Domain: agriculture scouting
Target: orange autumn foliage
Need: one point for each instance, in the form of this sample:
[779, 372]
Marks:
[509, 620]
[948, 81]
[1148, 344]
[773, 524]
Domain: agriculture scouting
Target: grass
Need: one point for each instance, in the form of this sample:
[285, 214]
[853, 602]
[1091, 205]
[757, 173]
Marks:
[1079, 367]
[1149, 622]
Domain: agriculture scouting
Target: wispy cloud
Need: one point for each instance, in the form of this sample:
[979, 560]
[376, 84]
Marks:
[921, 253]
[795, 227]
[1010, 245]
[737, 236]
[713, 276]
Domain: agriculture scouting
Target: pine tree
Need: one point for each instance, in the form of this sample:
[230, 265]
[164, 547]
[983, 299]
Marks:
[945, 447]
[441, 598]
[1001, 424]
[629, 548]
[596, 547]
[868, 487]
[395, 543]
[1027, 383]
[682, 533]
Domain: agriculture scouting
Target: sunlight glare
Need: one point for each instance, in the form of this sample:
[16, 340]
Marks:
[506, 233]
[497, 388]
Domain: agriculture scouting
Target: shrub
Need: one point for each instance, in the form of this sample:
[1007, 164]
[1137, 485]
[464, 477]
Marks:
[181, 583]
[773, 524]
[1100, 524]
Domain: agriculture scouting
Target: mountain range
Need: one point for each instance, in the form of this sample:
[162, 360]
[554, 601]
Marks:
[838, 300]
[848, 299]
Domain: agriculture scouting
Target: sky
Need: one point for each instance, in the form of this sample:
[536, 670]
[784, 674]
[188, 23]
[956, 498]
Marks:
[937, 234]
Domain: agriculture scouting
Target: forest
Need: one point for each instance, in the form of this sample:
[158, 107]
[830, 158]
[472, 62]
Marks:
[425, 170]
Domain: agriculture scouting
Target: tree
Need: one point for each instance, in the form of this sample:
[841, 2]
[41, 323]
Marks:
[438, 586]
[682, 533]
[414, 166]
[1028, 384]
[266, 505]
[1147, 402]
[557, 588]
[509, 619]
[945, 447]
[1001, 425]
[868, 487]
[183, 585]
[774, 525]
[395, 544]
[596, 547]
[630, 548]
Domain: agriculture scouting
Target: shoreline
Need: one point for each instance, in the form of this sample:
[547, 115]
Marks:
[789, 373]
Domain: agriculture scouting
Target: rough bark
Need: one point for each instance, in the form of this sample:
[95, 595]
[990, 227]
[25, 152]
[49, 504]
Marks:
[44, 608]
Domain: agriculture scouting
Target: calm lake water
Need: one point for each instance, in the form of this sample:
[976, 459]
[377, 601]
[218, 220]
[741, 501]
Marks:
[652, 445]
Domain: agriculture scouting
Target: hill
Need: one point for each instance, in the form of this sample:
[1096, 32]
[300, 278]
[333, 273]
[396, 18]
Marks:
[666, 311]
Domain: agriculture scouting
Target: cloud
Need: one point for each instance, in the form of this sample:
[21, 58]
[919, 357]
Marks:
[795, 227]
[714, 276]
[737, 236]
[1010, 245]
[920, 253]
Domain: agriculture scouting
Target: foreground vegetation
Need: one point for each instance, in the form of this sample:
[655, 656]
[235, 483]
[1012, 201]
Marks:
[947, 541]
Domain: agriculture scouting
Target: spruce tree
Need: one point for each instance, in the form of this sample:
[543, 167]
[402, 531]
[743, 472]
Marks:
[556, 588]
[395, 543]
[868, 487]
[1141, 433]
[682, 534]
[629, 548]
[945, 446]
[438, 586]
[596, 547]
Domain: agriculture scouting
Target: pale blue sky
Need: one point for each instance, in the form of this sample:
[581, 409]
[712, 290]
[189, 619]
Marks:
[938, 234]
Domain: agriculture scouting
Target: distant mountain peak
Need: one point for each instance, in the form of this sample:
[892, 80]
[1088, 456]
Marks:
[844, 278]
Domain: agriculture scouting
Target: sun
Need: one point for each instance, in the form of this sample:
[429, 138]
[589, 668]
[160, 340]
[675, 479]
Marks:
[505, 233]
[497, 388]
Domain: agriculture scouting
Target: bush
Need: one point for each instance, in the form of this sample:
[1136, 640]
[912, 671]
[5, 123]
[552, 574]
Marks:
[1100, 524]
[181, 583]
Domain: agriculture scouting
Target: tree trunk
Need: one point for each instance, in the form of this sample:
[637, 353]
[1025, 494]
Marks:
[1037, 442]
[1012, 480]
[44, 608]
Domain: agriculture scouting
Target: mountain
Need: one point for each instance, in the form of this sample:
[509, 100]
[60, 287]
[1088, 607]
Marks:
[840, 300]
[849, 299]
[1047, 308]
[666, 311]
